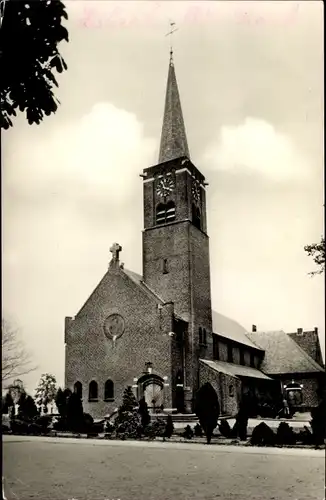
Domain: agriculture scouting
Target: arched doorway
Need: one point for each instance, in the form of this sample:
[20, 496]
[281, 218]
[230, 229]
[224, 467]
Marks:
[293, 393]
[151, 387]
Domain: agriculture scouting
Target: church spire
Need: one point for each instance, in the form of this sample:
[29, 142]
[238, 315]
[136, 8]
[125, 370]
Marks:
[173, 139]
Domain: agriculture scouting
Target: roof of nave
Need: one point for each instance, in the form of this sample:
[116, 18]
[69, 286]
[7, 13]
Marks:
[282, 354]
[230, 329]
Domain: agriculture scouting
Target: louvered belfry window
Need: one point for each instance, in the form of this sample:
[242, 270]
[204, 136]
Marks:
[165, 213]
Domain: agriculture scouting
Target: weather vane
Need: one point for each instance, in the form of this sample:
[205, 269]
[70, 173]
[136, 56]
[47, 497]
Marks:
[170, 33]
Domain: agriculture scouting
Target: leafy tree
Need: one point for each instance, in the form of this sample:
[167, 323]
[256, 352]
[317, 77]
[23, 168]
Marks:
[27, 408]
[29, 37]
[46, 391]
[15, 359]
[7, 403]
[317, 252]
[207, 409]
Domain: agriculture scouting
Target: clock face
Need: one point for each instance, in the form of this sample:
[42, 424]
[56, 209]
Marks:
[114, 326]
[165, 186]
[196, 190]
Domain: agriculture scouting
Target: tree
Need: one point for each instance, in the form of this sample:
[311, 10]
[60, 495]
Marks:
[61, 401]
[15, 360]
[144, 413]
[46, 391]
[128, 422]
[207, 409]
[29, 37]
[317, 252]
[27, 408]
[7, 403]
[75, 414]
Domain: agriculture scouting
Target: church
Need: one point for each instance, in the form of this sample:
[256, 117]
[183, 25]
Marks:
[157, 332]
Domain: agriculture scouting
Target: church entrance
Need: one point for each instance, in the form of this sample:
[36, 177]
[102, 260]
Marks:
[151, 387]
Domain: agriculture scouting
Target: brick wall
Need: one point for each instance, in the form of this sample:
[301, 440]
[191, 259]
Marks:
[224, 386]
[91, 356]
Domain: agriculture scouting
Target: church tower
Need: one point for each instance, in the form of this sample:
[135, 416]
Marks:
[175, 240]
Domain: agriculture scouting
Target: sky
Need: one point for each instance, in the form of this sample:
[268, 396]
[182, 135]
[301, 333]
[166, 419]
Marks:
[250, 78]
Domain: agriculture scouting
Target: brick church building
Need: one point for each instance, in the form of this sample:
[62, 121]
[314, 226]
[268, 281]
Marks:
[157, 332]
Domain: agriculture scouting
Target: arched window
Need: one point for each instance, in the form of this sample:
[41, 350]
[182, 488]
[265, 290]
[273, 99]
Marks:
[200, 336]
[204, 336]
[108, 390]
[165, 213]
[93, 391]
[196, 216]
[78, 389]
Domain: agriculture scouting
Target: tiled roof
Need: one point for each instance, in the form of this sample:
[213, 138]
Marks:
[230, 329]
[282, 354]
[235, 370]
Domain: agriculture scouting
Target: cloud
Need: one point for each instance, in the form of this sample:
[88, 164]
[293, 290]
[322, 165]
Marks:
[256, 146]
[103, 152]
[67, 196]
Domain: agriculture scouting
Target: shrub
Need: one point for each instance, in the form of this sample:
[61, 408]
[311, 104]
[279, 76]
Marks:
[262, 435]
[60, 424]
[198, 431]
[188, 432]
[285, 434]
[41, 424]
[109, 427]
[207, 409]
[95, 429]
[169, 428]
[246, 408]
[304, 436]
[155, 429]
[225, 429]
[144, 413]
[19, 426]
[318, 422]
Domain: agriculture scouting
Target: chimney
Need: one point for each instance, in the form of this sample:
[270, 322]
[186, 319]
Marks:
[300, 331]
[316, 330]
[254, 328]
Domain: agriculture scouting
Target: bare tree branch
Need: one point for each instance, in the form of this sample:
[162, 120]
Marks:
[16, 360]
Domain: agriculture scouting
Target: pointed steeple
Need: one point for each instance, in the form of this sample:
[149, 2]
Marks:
[173, 139]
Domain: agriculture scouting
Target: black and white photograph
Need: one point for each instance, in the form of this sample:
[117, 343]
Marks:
[163, 250]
